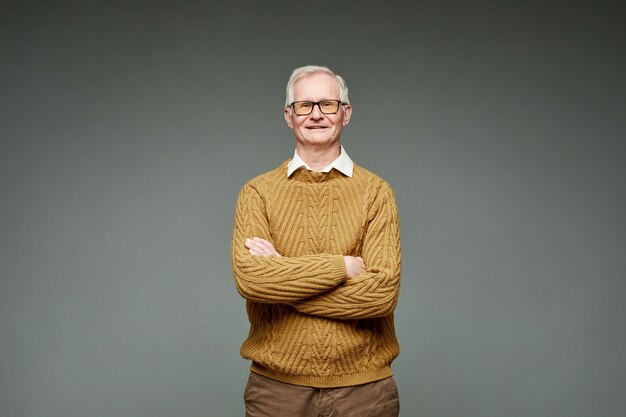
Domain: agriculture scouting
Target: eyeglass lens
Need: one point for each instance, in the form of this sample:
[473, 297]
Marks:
[306, 107]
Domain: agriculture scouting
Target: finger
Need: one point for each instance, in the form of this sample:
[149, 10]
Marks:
[261, 241]
[256, 249]
[261, 246]
[259, 252]
[267, 246]
[257, 242]
[249, 243]
[264, 243]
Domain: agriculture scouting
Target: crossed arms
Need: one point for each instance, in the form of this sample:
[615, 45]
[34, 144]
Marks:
[326, 285]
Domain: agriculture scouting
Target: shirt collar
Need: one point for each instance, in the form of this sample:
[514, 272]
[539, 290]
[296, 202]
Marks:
[343, 164]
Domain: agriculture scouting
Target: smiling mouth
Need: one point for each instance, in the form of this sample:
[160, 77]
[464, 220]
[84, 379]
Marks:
[316, 127]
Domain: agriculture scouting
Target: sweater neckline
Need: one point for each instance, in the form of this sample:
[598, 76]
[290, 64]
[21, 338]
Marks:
[304, 175]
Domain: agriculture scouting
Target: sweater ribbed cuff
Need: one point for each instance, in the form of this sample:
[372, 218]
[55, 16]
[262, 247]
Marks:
[340, 265]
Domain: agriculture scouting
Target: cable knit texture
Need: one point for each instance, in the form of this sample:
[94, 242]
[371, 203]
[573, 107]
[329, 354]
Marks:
[309, 324]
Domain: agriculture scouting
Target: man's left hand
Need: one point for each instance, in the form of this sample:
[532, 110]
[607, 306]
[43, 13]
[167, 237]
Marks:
[260, 247]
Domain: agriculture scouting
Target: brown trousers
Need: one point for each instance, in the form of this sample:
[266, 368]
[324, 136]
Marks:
[265, 397]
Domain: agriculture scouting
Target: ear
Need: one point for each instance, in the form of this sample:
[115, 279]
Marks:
[347, 113]
[287, 114]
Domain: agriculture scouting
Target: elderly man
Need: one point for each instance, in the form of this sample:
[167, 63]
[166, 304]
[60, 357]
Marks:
[316, 255]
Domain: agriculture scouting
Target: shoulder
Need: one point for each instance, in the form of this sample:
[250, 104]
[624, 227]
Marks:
[264, 182]
[378, 194]
[371, 181]
[270, 176]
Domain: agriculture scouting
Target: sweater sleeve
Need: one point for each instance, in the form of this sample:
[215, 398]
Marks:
[373, 293]
[275, 279]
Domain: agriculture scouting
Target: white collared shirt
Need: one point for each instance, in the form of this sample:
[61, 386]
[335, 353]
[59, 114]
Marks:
[343, 164]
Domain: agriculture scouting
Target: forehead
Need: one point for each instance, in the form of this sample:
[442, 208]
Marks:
[315, 87]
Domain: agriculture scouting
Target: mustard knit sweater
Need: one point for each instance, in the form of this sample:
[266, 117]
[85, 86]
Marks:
[309, 324]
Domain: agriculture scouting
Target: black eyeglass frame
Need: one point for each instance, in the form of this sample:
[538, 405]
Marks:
[316, 103]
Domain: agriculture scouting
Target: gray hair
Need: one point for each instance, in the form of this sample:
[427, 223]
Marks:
[302, 72]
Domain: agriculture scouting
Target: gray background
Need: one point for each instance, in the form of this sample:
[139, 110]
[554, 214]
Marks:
[127, 130]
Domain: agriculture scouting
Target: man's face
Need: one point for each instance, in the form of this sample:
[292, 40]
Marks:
[317, 128]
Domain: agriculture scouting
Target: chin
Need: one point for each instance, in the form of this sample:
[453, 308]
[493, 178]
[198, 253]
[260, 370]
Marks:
[321, 138]
[318, 141]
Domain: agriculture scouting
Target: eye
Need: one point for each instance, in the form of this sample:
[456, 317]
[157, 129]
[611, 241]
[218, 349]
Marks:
[304, 105]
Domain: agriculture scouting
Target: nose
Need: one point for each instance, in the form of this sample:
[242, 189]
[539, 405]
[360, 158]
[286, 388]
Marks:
[316, 113]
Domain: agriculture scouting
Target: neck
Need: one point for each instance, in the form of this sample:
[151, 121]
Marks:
[318, 158]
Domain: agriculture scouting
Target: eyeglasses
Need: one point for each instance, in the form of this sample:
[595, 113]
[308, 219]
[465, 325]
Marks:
[303, 108]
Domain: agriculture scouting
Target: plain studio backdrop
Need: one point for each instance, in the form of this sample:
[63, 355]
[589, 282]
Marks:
[128, 128]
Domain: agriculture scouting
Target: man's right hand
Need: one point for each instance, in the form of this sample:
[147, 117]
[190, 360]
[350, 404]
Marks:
[354, 265]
